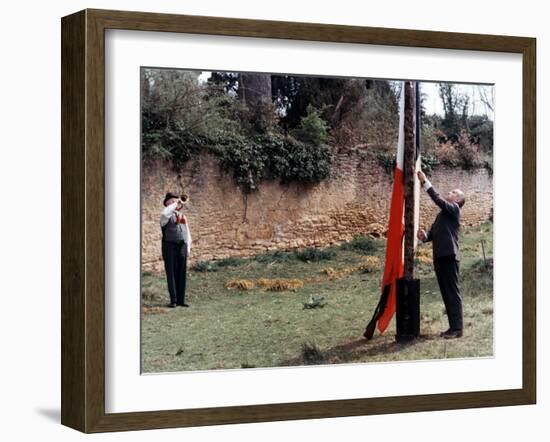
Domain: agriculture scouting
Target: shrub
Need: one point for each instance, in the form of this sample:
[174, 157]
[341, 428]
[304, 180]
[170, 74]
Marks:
[277, 256]
[460, 152]
[428, 163]
[447, 154]
[231, 261]
[205, 266]
[182, 118]
[311, 354]
[361, 244]
[344, 135]
[315, 302]
[272, 155]
[387, 161]
[312, 128]
[290, 159]
[482, 266]
[245, 158]
[481, 128]
[312, 254]
[468, 152]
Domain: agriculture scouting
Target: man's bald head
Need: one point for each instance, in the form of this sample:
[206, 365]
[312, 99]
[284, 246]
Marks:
[456, 196]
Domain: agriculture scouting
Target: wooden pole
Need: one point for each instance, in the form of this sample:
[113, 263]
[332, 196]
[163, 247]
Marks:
[409, 172]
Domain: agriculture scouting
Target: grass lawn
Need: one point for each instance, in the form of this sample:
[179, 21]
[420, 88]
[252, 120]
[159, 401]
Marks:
[246, 328]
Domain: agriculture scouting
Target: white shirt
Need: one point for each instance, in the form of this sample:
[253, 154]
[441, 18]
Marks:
[426, 184]
[165, 216]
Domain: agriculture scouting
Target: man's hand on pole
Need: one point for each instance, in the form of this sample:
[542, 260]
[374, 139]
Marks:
[421, 235]
[421, 177]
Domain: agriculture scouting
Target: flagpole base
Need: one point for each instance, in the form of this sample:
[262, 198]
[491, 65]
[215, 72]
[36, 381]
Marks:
[407, 309]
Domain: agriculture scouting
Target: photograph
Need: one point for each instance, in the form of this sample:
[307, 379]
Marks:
[279, 228]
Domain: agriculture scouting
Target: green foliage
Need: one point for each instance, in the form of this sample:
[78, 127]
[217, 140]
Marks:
[215, 265]
[312, 128]
[246, 159]
[314, 302]
[205, 266]
[231, 261]
[368, 116]
[273, 156]
[276, 256]
[363, 244]
[286, 137]
[428, 163]
[481, 129]
[458, 139]
[294, 94]
[387, 161]
[312, 254]
[294, 160]
[182, 118]
[260, 119]
[483, 265]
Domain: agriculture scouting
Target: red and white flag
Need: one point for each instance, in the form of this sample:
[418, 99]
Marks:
[394, 264]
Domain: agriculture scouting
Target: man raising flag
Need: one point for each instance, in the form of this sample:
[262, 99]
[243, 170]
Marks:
[446, 256]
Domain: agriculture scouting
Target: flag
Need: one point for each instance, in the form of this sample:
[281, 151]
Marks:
[394, 263]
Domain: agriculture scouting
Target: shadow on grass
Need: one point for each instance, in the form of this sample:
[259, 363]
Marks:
[356, 350]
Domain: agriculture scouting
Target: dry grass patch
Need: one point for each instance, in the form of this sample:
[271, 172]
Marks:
[239, 284]
[280, 284]
[368, 264]
[424, 255]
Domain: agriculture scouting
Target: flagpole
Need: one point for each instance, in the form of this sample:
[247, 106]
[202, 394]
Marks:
[408, 288]
[409, 178]
[400, 291]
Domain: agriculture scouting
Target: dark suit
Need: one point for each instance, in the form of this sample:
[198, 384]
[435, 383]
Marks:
[446, 256]
[174, 254]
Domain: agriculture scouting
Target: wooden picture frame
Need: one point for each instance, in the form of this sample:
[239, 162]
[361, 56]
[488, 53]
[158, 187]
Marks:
[83, 220]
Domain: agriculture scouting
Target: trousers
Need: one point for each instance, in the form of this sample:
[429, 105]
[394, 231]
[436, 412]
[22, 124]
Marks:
[174, 255]
[447, 273]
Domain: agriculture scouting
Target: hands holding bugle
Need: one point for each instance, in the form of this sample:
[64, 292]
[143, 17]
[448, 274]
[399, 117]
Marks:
[182, 200]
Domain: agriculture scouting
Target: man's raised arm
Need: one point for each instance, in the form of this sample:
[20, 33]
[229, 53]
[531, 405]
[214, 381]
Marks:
[442, 203]
[167, 213]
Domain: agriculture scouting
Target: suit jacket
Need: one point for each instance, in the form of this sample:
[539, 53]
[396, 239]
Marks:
[444, 230]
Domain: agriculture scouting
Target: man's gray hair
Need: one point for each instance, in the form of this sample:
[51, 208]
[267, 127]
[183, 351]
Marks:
[462, 198]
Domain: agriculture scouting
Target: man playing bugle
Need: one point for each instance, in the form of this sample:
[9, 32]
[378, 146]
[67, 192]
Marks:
[176, 246]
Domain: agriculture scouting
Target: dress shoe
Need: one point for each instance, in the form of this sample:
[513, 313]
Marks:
[450, 334]
[184, 305]
[172, 305]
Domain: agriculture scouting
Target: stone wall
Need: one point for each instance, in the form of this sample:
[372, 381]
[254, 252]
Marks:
[353, 201]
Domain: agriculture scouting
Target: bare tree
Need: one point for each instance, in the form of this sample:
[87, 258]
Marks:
[487, 97]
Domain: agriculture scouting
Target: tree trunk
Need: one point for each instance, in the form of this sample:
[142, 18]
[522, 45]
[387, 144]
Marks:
[254, 89]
